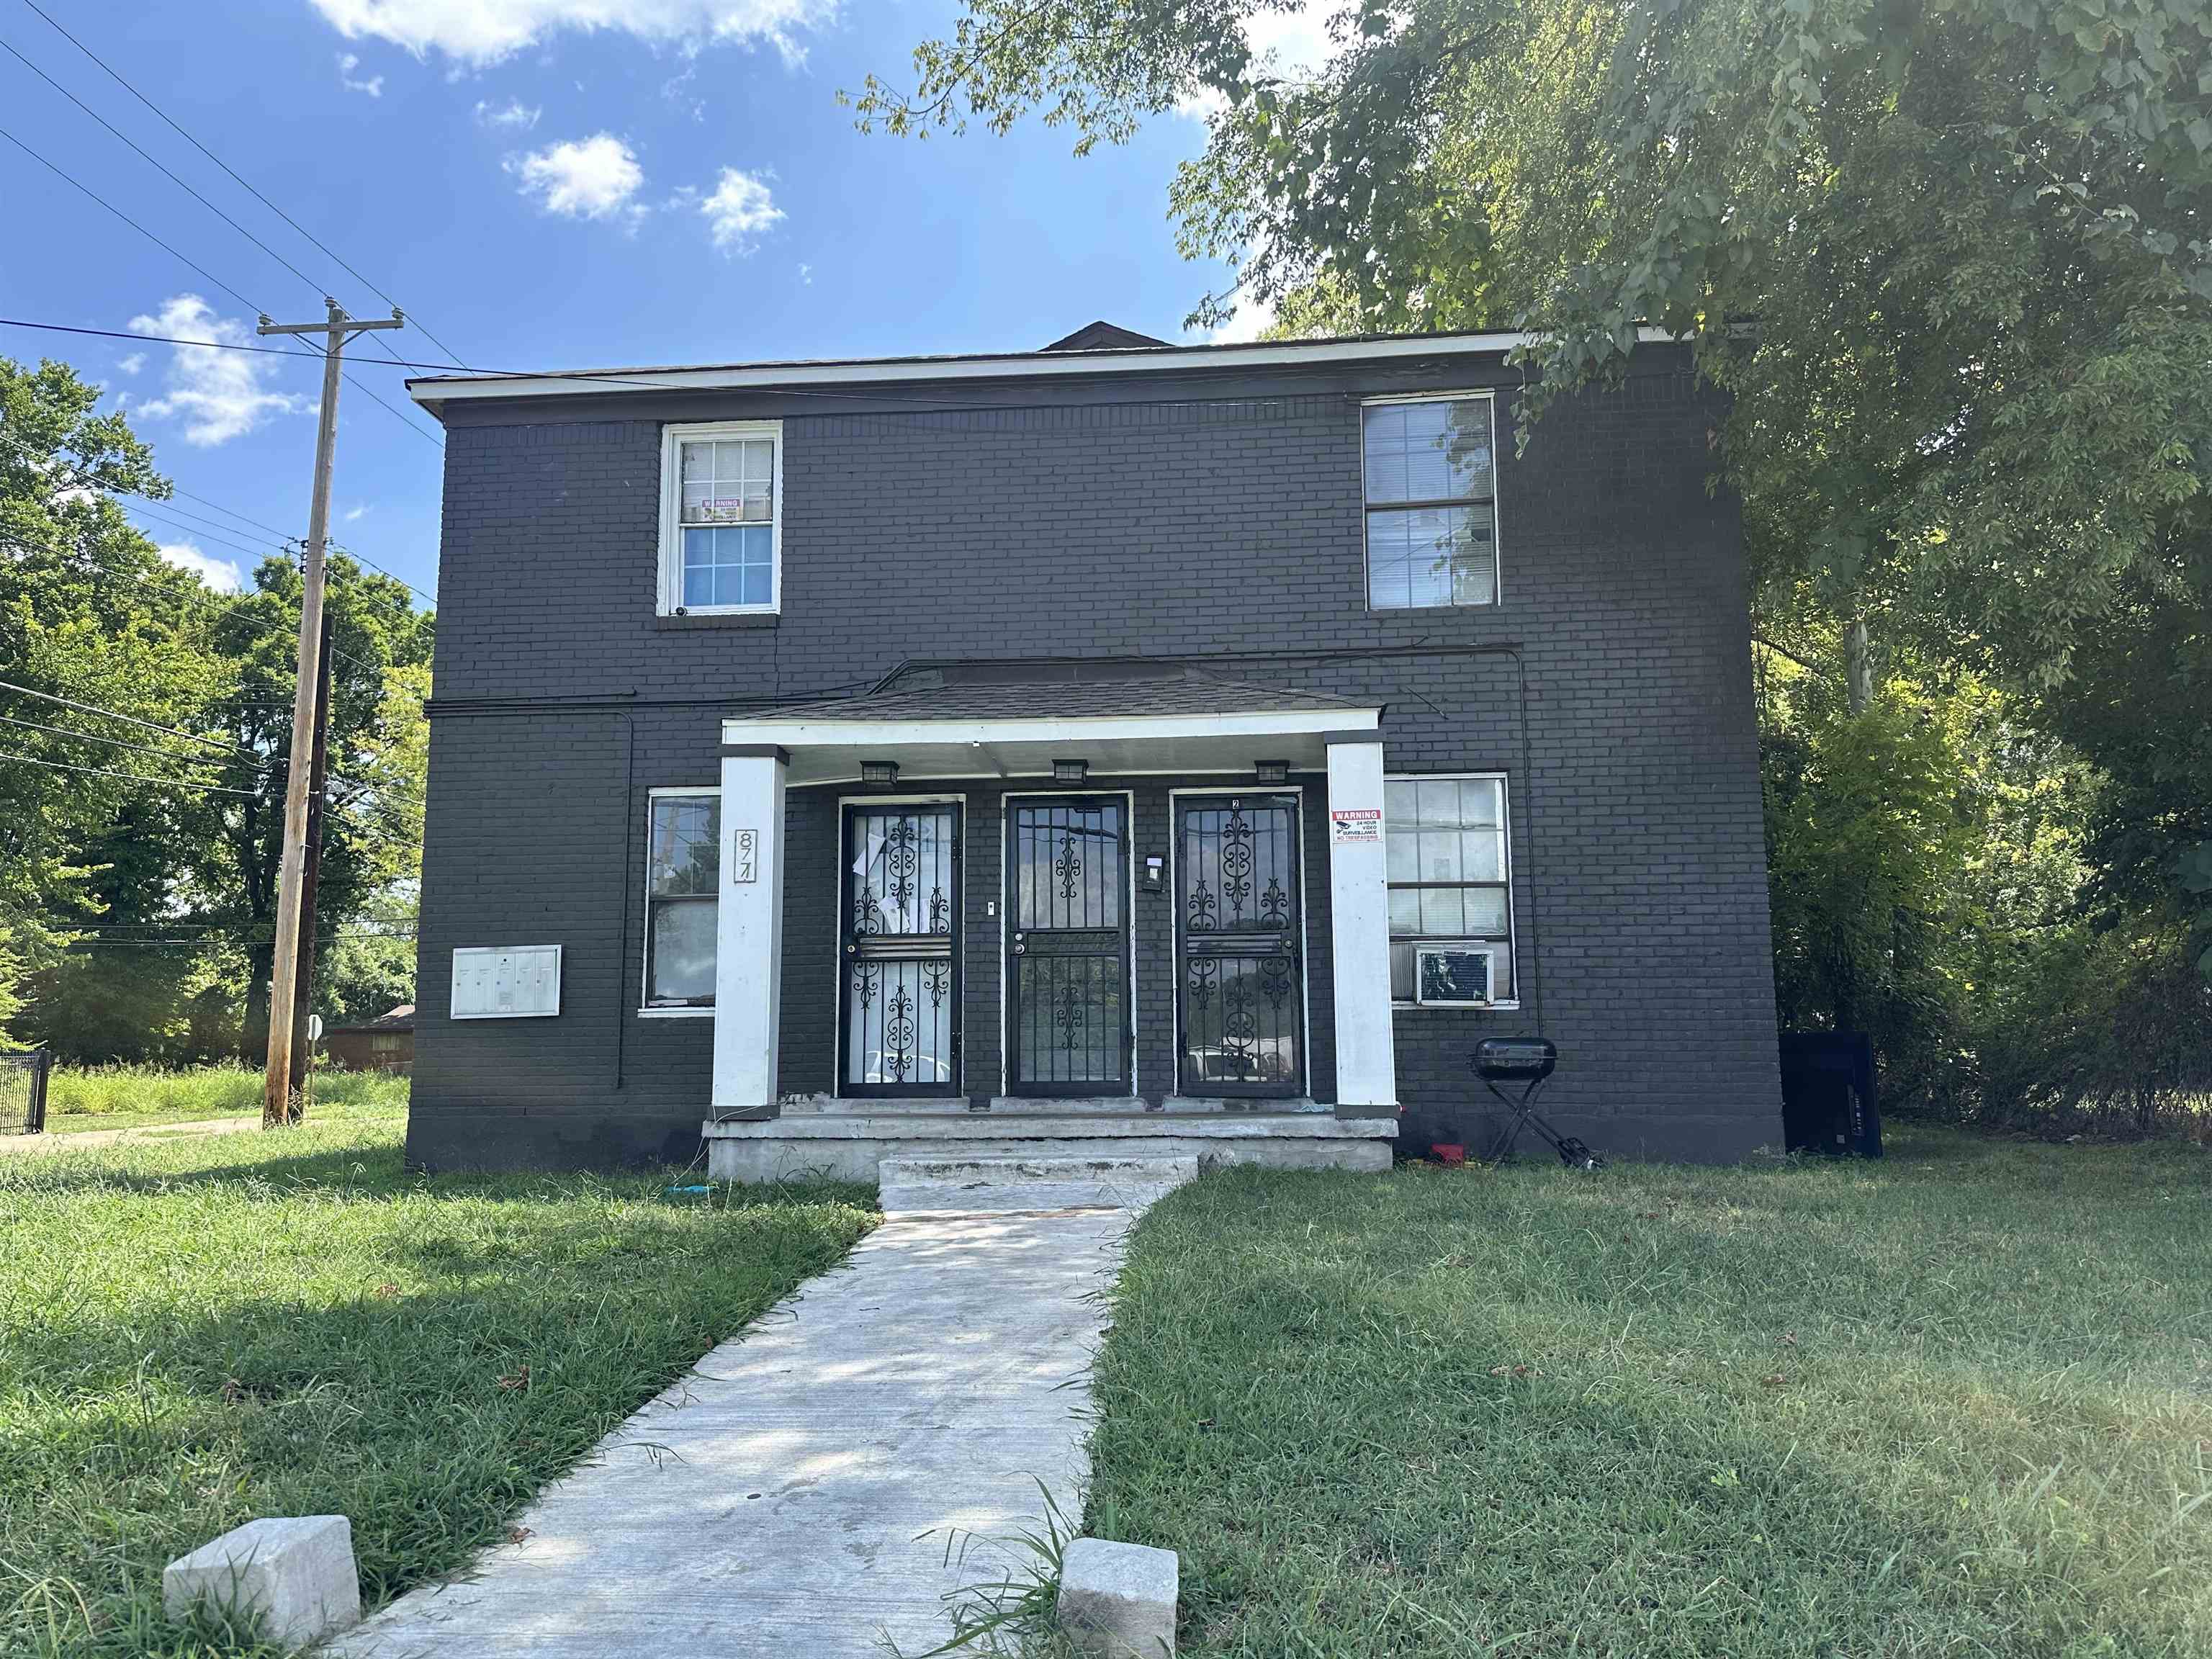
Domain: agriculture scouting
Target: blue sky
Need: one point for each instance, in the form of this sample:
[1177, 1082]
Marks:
[680, 187]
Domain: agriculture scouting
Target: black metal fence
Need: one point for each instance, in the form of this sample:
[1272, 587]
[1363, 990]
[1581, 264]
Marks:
[23, 1091]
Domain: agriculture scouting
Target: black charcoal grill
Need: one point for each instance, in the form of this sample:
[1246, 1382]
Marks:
[1527, 1061]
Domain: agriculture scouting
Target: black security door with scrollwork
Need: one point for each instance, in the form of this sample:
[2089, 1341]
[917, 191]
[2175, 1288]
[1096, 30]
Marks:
[898, 1028]
[1067, 946]
[1240, 998]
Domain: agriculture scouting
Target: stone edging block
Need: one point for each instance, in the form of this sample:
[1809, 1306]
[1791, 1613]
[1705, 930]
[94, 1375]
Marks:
[295, 1574]
[1118, 1601]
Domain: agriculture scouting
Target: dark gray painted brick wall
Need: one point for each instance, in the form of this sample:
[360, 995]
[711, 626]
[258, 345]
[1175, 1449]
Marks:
[1216, 516]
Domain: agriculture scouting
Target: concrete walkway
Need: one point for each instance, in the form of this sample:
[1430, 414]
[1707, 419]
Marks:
[78, 1141]
[798, 1492]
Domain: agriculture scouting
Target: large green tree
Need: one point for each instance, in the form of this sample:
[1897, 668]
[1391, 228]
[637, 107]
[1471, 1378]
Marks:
[89, 611]
[141, 821]
[1951, 259]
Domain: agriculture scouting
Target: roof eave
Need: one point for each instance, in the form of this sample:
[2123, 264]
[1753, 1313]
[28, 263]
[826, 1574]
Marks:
[433, 392]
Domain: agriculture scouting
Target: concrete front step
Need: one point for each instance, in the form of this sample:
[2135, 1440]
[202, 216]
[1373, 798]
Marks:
[850, 1147]
[954, 1185]
[1039, 1106]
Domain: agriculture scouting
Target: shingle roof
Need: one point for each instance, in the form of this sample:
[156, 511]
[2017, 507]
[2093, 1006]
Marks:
[1176, 691]
[1103, 335]
[401, 1018]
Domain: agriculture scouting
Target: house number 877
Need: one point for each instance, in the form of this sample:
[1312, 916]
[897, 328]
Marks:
[743, 866]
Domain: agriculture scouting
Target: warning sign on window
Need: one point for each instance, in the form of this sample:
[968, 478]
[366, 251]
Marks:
[1356, 824]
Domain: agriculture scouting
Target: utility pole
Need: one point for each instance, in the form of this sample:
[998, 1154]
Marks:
[311, 879]
[283, 983]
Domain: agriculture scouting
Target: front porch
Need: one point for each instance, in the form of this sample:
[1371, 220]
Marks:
[1130, 911]
[852, 1141]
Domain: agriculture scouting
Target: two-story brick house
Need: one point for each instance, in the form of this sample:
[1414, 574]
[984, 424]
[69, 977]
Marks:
[1121, 745]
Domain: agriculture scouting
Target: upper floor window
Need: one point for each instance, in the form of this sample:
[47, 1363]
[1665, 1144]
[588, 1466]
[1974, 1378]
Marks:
[682, 885]
[1431, 502]
[721, 517]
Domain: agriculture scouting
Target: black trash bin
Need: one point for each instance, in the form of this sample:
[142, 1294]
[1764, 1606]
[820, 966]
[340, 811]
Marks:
[1827, 1094]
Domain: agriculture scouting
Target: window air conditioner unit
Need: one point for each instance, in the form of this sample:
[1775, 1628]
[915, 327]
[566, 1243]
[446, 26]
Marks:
[1453, 976]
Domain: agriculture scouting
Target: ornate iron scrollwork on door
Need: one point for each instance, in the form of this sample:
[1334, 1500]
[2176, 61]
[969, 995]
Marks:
[1068, 1017]
[1241, 1015]
[899, 1024]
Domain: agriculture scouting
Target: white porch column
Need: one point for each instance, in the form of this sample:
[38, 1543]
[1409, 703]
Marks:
[749, 931]
[1360, 926]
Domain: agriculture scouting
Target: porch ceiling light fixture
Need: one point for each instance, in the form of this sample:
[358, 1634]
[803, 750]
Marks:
[1070, 771]
[879, 775]
[1272, 771]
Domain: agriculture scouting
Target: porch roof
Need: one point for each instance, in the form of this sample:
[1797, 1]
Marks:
[983, 721]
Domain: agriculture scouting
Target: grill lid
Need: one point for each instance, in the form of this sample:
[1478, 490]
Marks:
[1502, 1060]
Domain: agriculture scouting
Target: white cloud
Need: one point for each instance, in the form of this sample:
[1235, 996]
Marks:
[513, 113]
[1295, 42]
[805, 275]
[222, 574]
[354, 514]
[739, 211]
[677, 88]
[477, 33]
[219, 395]
[1288, 44]
[131, 364]
[348, 63]
[1251, 319]
[592, 178]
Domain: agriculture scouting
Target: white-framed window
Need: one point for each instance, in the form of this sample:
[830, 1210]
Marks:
[721, 518]
[1430, 469]
[1450, 875]
[682, 889]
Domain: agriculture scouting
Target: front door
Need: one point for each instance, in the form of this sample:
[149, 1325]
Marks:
[1067, 946]
[1240, 1000]
[898, 1027]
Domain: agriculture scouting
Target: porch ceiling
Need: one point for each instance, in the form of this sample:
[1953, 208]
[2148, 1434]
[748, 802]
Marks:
[1176, 723]
[830, 752]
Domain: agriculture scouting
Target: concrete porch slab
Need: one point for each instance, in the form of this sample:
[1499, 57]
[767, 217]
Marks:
[852, 1146]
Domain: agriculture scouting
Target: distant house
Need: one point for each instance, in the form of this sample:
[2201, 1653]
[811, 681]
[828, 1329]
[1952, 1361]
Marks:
[386, 1043]
[1116, 746]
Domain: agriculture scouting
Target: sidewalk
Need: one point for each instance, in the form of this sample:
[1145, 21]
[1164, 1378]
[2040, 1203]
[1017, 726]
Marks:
[80, 1140]
[800, 1492]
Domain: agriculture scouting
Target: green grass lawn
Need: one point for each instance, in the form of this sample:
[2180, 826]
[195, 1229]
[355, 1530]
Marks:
[194, 1333]
[1955, 1403]
[131, 1096]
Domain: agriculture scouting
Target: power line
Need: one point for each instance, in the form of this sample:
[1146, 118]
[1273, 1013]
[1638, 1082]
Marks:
[175, 927]
[363, 558]
[172, 514]
[420, 431]
[873, 394]
[233, 511]
[258, 552]
[143, 231]
[368, 830]
[116, 75]
[284, 544]
[130, 719]
[181, 184]
[113, 743]
[135, 777]
[151, 161]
